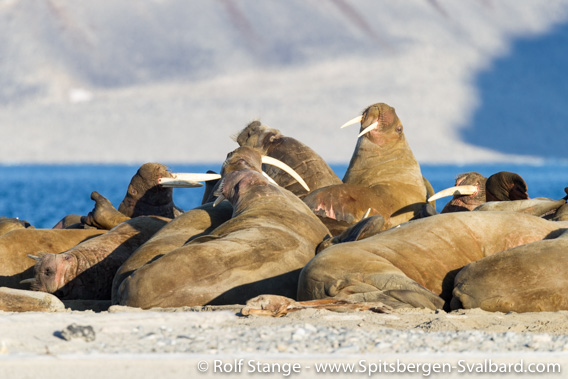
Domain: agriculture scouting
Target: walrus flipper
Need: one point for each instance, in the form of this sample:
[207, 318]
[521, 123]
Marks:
[104, 215]
[396, 291]
[414, 297]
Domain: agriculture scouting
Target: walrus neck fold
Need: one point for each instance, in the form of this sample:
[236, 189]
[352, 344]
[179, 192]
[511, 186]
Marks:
[371, 163]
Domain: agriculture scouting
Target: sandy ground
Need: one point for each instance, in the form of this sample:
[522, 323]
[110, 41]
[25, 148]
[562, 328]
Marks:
[204, 342]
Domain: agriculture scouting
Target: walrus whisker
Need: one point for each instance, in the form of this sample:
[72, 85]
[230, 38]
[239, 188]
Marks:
[457, 190]
[353, 121]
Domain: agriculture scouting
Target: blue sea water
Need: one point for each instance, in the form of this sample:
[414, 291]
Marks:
[44, 194]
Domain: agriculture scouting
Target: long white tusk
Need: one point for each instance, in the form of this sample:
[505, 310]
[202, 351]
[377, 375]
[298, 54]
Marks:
[352, 121]
[458, 190]
[283, 166]
[28, 281]
[269, 178]
[366, 214]
[218, 200]
[368, 129]
[34, 257]
[187, 180]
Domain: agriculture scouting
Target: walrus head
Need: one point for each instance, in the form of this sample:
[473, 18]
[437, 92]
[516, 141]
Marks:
[382, 152]
[468, 193]
[242, 158]
[237, 185]
[505, 186]
[472, 190]
[53, 271]
[379, 124]
[247, 158]
[145, 196]
[8, 224]
[258, 136]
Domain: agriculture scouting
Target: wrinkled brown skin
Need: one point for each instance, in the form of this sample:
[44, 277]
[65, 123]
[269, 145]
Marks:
[383, 175]
[146, 197]
[86, 271]
[192, 224]
[528, 278]
[306, 162]
[535, 207]
[9, 224]
[412, 264]
[260, 250]
[17, 244]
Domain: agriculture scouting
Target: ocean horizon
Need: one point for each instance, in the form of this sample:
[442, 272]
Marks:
[44, 194]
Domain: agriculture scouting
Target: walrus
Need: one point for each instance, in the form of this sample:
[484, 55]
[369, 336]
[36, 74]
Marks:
[187, 226]
[473, 189]
[305, 161]
[7, 224]
[528, 278]
[193, 223]
[145, 196]
[72, 221]
[415, 263]
[383, 176]
[86, 270]
[17, 244]
[539, 207]
[260, 250]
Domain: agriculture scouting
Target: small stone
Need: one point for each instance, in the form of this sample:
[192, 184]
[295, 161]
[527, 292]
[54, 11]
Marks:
[74, 331]
[299, 334]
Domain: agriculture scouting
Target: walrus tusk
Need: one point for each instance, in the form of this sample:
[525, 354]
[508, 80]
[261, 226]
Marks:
[187, 180]
[269, 178]
[218, 200]
[352, 122]
[458, 190]
[368, 129]
[366, 214]
[28, 281]
[283, 166]
[34, 257]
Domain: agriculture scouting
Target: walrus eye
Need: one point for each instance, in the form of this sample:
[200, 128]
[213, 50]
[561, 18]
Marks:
[67, 257]
[399, 129]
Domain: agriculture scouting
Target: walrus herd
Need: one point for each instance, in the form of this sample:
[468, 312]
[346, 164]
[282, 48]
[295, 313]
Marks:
[278, 221]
